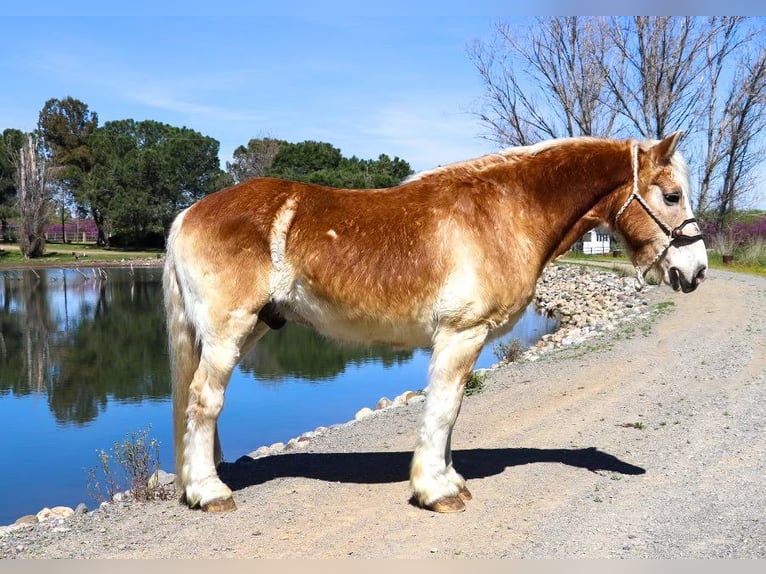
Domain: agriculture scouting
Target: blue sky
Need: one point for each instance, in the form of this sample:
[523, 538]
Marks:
[369, 77]
[368, 82]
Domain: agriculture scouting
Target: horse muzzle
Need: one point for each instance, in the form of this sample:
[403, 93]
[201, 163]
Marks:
[679, 282]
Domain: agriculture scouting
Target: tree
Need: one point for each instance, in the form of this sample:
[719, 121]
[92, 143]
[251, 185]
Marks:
[33, 196]
[10, 144]
[546, 80]
[145, 172]
[66, 126]
[646, 76]
[323, 164]
[255, 159]
[658, 90]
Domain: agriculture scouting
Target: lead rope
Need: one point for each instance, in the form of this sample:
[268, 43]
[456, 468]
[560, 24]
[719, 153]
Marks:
[676, 233]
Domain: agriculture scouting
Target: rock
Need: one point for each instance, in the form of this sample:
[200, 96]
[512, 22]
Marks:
[383, 403]
[44, 514]
[404, 398]
[81, 508]
[277, 446]
[363, 413]
[418, 398]
[61, 512]
[160, 479]
[260, 452]
[27, 519]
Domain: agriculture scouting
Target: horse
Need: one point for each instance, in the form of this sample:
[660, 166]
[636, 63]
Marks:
[448, 259]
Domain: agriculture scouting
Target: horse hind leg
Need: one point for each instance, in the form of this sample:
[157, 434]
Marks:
[435, 483]
[202, 486]
[261, 328]
[201, 443]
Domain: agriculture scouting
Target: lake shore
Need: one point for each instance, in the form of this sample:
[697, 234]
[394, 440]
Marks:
[653, 429]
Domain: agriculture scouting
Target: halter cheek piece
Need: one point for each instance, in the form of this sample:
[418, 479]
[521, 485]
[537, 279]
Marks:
[676, 236]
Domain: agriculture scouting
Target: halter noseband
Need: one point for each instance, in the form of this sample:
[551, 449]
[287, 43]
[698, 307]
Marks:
[675, 235]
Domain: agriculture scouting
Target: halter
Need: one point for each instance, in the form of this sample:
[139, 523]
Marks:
[675, 235]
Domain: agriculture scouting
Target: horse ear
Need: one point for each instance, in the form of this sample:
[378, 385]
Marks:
[662, 151]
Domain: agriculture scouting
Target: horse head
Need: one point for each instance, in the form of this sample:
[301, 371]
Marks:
[655, 218]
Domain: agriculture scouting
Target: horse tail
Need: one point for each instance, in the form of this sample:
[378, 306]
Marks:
[182, 344]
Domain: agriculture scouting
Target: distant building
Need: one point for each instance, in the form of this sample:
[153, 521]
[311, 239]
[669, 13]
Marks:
[597, 241]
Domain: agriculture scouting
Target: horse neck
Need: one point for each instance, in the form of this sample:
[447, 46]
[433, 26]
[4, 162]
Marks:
[566, 190]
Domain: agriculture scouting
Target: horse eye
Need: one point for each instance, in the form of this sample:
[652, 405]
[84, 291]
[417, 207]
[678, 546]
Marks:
[672, 198]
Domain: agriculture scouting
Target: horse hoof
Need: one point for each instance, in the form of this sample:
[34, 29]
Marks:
[464, 494]
[447, 505]
[220, 505]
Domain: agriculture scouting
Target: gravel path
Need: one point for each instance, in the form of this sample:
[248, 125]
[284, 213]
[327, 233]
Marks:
[644, 442]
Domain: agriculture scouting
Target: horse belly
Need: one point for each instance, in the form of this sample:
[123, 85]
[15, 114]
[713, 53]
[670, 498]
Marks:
[354, 325]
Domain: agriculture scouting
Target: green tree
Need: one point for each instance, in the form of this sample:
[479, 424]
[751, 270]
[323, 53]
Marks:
[145, 172]
[10, 145]
[323, 164]
[66, 127]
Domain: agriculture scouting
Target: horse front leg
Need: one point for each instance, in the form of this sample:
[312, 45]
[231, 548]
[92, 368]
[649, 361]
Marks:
[435, 483]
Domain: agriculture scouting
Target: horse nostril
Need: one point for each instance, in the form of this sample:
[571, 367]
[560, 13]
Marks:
[700, 276]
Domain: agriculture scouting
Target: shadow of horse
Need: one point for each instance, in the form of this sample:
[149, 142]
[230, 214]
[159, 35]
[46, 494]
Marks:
[387, 467]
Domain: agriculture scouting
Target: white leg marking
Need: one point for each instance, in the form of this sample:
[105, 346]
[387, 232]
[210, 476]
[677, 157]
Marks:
[432, 476]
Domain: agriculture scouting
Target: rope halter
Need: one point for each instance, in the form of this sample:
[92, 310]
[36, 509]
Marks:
[675, 235]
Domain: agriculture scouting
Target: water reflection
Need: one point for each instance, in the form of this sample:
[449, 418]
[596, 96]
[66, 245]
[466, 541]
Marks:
[83, 338]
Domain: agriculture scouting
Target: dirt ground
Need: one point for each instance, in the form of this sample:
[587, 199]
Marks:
[647, 442]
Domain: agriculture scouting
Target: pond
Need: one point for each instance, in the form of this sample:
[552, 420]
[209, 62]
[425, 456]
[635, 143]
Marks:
[83, 362]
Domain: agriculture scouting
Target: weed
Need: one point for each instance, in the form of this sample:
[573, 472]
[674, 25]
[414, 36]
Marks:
[475, 383]
[129, 466]
[637, 425]
[664, 306]
[509, 351]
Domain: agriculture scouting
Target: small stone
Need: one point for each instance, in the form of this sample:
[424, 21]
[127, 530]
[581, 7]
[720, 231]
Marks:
[418, 398]
[62, 512]
[81, 508]
[320, 430]
[44, 514]
[260, 452]
[383, 403]
[161, 478]
[118, 497]
[27, 519]
[363, 413]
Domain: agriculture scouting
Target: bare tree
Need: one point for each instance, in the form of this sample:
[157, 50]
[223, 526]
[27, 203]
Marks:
[647, 76]
[253, 160]
[33, 197]
[744, 121]
[547, 80]
[659, 89]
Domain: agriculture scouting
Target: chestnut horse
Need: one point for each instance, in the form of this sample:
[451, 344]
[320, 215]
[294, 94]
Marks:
[448, 259]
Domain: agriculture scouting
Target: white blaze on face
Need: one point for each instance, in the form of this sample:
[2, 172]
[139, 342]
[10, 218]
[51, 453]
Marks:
[685, 265]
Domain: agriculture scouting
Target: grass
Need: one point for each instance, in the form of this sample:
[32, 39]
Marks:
[715, 261]
[743, 263]
[70, 253]
[475, 383]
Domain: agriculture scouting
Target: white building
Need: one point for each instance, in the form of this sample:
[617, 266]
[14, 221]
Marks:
[595, 242]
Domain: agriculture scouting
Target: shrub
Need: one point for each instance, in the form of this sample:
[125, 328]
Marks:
[129, 466]
[753, 252]
[475, 383]
[724, 243]
[509, 351]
